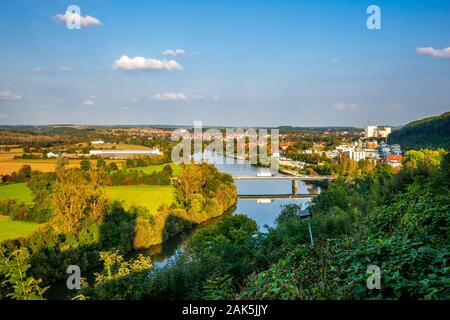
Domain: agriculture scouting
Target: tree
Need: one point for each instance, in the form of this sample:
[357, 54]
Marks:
[76, 198]
[62, 163]
[190, 182]
[113, 166]
[101, 163]
[25, 171]
[85, 165]
[168, 169]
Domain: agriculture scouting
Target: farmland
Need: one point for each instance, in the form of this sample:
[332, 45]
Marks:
[16, 191]
[45, 165]
[151, 197]
[159, 167]
[10, 229]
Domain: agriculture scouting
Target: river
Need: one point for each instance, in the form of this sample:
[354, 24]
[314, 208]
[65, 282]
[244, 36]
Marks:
[263, 212]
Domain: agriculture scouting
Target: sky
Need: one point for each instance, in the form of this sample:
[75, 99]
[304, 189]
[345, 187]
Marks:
[223, 62]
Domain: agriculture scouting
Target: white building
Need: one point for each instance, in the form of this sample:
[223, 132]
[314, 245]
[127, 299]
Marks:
[370, 131]
[376, 132]
[97, 142]
[383, 132]
[125, 153]
[53, 154]
[357, 155]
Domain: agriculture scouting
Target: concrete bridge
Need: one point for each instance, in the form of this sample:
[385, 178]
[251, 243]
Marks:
[293, 179]
[275, 196]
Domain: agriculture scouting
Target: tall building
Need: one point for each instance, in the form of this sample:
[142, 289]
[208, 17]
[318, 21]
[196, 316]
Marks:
[376, 132]
[370, 131]
[383, 132]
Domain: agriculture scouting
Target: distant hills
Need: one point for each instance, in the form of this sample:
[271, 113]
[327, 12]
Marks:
[433, 132]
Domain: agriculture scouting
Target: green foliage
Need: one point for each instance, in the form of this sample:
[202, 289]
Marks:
[119, 278]
[14, 270]
[433, 132]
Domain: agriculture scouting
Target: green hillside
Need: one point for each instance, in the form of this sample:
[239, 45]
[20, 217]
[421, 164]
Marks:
[433, 133]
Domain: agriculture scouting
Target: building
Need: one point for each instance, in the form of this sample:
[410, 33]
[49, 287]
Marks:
[124, 154]
[53, 154]
[357, 155]
[97, 142]
[370, 131]
[383, 132]
[395, 160]
[376, 132]
[286, 144]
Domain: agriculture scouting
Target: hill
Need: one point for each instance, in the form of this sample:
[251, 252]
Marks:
[433, 133]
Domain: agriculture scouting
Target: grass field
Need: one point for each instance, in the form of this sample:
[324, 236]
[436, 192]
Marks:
[10, 229]
[16, 191]
[44, 165]
[151, 197]
[158, 167]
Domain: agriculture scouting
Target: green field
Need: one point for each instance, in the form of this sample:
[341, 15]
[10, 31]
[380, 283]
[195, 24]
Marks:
[176, 168]
[10, 229]
[16, 191]
[151, 197]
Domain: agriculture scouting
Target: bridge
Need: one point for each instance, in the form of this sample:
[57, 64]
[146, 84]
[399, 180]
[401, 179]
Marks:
[293, 179]
[302, 178]
[275, 196]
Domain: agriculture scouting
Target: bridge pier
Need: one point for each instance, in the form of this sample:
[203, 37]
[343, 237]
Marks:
[294, 186]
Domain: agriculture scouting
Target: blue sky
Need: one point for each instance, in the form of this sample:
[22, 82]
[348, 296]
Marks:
[241, 63]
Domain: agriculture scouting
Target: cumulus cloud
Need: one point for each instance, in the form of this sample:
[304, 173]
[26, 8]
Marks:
[89, 102]
[436, 53]
[86, 21]
[345, 106]
[148, 64]
[38, 69]
[7, 95]
[170, 96]
[174, 53]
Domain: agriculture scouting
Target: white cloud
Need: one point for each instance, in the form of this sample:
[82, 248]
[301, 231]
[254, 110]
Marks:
[89, 102]
[170, 96]
[7, 95]
[174, 53]
[335, 61]
[198, 97]
[436, 53]
[86, 21]
[38, 69]
[134, 99]
[344, 106]
[141, 63]
[65, 69]
[216, 98]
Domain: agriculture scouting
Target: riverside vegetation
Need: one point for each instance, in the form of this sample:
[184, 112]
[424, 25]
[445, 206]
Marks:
[397, 220]
[80, 225]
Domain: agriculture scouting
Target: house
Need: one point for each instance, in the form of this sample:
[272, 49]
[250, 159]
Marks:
[97, 142]
[53, 154]
[394, 160]
[286, 144]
